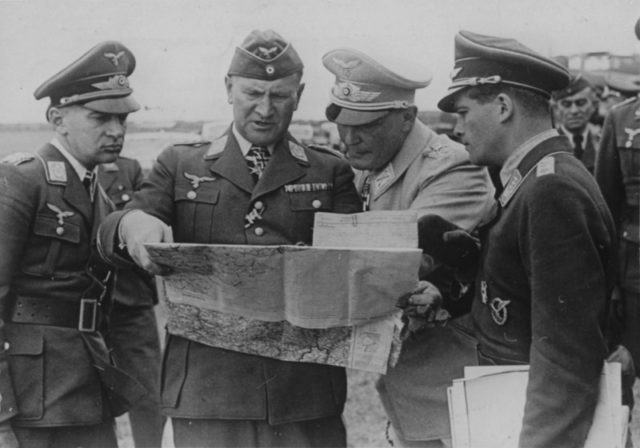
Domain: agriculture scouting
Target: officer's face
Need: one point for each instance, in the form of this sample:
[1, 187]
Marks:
[262, 110]
[476, 128]
[575, 111]
[371, 146]
[91, 137]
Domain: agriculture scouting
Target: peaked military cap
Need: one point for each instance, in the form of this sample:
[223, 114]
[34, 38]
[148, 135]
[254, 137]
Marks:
[481, 60]
[577, 84]
[265, 55]
[98, 80]
[365, 89]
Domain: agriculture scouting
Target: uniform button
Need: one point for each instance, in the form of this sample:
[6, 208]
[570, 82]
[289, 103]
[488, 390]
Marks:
[120, 187]
[316, 203]
[624, 234]
[258, 205]
[259, 231]
[6, 346]
[59, 230]
[192, 194]
[126, 197]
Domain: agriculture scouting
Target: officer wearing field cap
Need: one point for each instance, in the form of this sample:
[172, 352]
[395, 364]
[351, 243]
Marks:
[403, 165]
[54, 289]
[252, 185]
[552, 231]
[618, 175]
[574, 107]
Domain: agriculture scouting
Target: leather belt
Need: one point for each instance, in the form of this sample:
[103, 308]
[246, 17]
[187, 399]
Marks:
[83, 315]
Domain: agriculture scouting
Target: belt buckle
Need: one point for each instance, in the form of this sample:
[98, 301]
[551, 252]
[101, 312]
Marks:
[89, 306]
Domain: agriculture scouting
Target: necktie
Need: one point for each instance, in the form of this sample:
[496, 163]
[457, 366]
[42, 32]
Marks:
[365, 193]
[89, 183]
[257, 159]
[577, 146]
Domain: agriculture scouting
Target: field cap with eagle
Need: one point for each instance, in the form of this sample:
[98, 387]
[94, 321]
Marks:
[366, 89]
[485, 60]
[265, 55]
[98, 80]
[577, 84]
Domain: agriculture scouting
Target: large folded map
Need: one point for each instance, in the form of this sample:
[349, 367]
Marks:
[329, 305]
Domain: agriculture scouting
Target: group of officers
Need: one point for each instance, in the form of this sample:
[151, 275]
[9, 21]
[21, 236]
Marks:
[520, 245]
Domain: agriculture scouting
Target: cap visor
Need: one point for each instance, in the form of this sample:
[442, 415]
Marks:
[447, 104]
[350, 117]
[122, 105]
[623, 82]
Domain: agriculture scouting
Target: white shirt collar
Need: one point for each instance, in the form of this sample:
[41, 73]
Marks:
[244, 144]
[512, 162]
[80, 170]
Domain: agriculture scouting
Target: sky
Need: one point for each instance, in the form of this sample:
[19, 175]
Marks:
[183, 48]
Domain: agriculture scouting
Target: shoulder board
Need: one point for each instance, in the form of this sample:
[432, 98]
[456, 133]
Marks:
[326, 149]
[18, 158]
[546, 166]
[624, 103]
[197, 144]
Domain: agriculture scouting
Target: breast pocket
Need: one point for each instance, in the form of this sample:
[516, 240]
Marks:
[311, 201]
[54, 249]
[194, 213]
[630, 160]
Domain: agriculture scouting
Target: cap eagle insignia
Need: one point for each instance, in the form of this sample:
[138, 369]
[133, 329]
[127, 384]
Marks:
[351, 92]
[113, 57]
[267, 53]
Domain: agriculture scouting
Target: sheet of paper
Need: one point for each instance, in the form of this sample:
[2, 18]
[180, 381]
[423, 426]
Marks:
[487, 406]
[306, 286]
[397, 228]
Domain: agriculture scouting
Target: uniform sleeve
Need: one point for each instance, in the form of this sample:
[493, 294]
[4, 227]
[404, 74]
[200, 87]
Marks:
[607, 170]
[560, 234]
[346, 198]
[17, 205]
[460, 193]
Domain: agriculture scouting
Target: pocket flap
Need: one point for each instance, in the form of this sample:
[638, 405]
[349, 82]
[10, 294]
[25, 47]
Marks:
[24, 339]
[48, 226]
[202, 194]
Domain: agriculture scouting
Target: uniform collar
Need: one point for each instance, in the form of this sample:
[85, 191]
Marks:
[569, 134]
[80, 170]
[243, 143]
[512, 162]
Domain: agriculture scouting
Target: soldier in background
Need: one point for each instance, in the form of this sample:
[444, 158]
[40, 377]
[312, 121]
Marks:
[132, 331]
[617, 172]
[53, 287]
[401, 164]
[574, 107]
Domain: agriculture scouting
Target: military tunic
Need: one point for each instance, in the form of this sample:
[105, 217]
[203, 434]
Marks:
[542, 291]
[590, 146]
[132, 333]
[618, 175]
[431, 175]
[46, 294]
[205, 192]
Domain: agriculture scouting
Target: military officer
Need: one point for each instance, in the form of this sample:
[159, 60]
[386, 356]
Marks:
[53, 287]
[574, 108]
[403, 165]
[132, 333]
[618, 175]
[239, 189]
[544, 278]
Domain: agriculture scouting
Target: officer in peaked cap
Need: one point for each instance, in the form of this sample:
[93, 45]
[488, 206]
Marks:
[574, 107]
[617, 173]
[254, 185]
[66, 390]
[403, 165]
[532, 305]
[98, 80]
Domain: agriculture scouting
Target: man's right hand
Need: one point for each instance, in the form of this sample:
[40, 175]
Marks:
[137, 228]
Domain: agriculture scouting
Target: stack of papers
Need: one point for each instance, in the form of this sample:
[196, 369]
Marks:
[486, 408]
